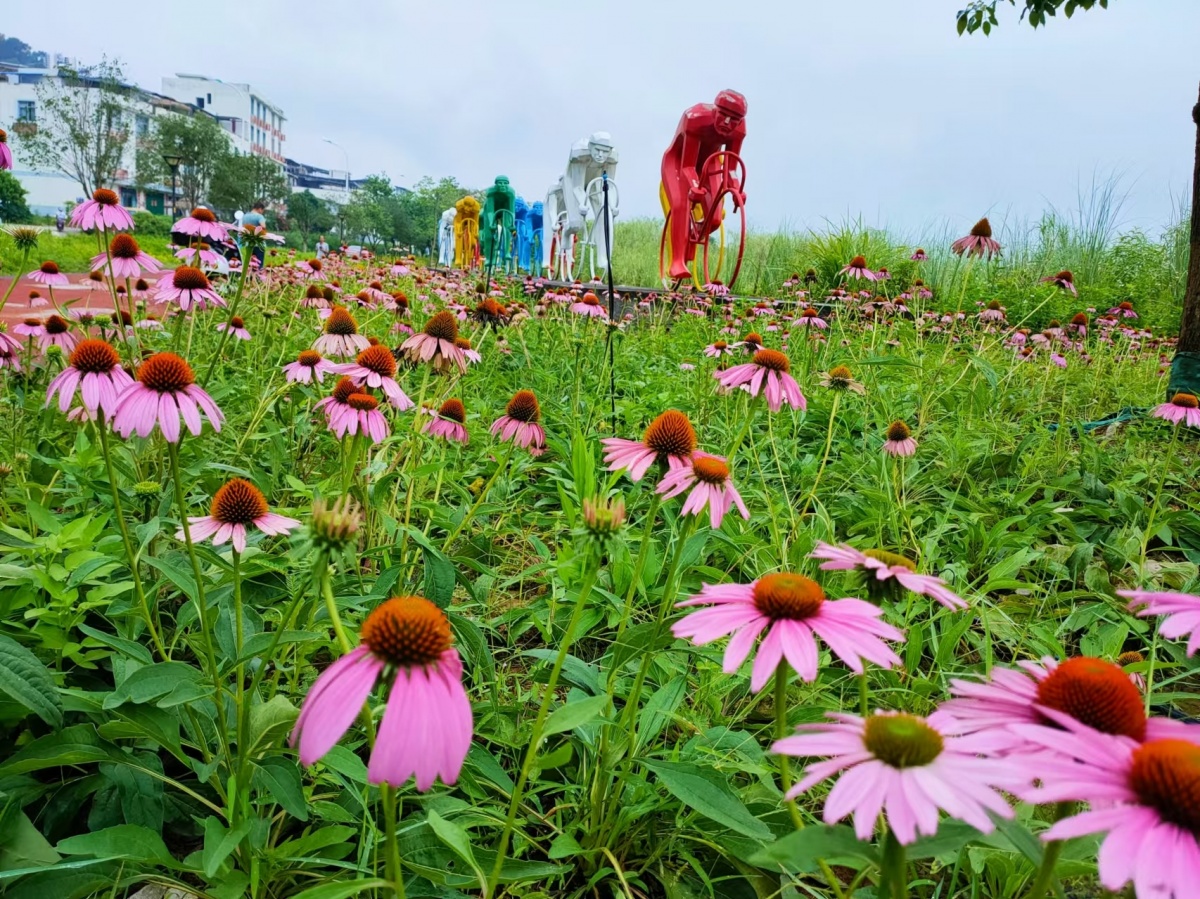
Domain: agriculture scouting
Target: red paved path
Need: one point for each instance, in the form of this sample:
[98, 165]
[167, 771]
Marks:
[17, 307]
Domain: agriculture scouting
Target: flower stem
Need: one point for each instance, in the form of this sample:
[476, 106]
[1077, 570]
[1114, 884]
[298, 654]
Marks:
[233, 307]
[539, 722]
[479, 499]
[812, 493]
[17, 275]
[638, 565]
[1045, 874]
[139, 590]
[893, 872]
[781, 730]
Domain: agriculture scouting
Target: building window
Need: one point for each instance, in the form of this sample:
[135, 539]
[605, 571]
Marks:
[142, 125]
[26, 111]
[29, 79]
[210, 98]
[128, 198]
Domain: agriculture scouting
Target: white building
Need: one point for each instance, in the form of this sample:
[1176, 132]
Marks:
[48, 191]
[254, 123]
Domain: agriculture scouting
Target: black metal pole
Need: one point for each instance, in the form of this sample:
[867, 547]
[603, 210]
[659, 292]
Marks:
[612, 300]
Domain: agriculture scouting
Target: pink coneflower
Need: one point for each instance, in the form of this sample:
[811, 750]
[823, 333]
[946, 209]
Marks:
[718, 349]
[313, 268]
[36, 300]
[10, 347]
[187, 286]
[426, 729]
[810, 318]
[165, 392]
[1143, 797]
[1092, 691]
[883, 275]
[449, 422]
[314, 298]
[340, 335]
[1184, 408]
[56, 331]
[6, 158]
[883, 568]
[31, 328]
[762, 308]
[919, 255]
[899, 441]
[716, 288]
[128, 260]
[766, 373]
[199, 255]
[103, 210]
[589, 305]
[47, 273]
[203, 224]
[94, 370]
[399, 269]
[711, 485]
[362, 415]
[469, 353]
[1123, 309]
[519, 423]
[1058, 359]
[978, 243]
[992, 312]
[1182, 611]
[235, 326]
[793, 611]
[670, 439]
[841, 378]
[237, 505]
[1063, 280]
[376, 367]
[858, 269]
[308, 365]
[907, 767]
[338, 414]
[435, 343]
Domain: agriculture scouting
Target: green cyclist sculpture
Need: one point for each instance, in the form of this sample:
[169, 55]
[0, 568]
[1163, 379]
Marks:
[496, 224]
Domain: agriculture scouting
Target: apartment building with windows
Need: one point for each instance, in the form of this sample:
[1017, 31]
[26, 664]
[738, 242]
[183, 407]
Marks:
[254, 123]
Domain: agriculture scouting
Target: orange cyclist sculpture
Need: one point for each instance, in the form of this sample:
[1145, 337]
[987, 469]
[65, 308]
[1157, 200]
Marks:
[709, 133]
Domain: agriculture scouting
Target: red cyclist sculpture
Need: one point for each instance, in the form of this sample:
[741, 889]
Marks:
[701, 170]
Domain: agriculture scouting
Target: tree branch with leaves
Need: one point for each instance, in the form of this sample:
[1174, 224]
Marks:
[980, 15]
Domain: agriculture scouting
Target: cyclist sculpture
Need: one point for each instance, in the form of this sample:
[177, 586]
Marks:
[536, 236]
[701, 170]
[524, 243]
[445, 238]
[496, 223]
[466, 232]
[575, 205]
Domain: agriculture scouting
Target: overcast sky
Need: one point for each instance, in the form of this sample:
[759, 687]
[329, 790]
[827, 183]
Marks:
[856, 107]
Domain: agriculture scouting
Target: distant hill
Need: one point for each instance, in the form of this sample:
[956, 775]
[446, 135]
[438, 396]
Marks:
[16, 52]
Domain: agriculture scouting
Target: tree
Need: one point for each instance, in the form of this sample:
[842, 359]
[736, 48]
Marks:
[425, 204]
[83, 125]
[197, 139]
[19, 53]
[13, 210]
[241, 179]
[1185, 367]
[308, 215]
[376, 214]
[980, 15]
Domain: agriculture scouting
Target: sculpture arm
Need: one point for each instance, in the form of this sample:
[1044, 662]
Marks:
[688, 162]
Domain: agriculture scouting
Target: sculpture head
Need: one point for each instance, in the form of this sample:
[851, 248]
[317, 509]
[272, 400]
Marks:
[502, 182]
[521, 208]
[731, 109]
[600, 146]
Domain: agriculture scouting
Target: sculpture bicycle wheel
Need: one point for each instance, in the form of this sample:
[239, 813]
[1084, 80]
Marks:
[503, 226]
[728, 173]
[594, 226]
[562, 251]
[535, 253]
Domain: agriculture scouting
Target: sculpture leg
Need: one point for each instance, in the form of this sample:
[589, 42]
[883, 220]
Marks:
[680, 213]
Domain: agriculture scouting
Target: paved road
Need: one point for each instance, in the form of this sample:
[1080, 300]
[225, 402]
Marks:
[17, 307]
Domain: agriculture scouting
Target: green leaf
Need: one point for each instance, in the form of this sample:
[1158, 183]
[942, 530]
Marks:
[42, 517]
[170, 683]
[799, 851]
[279, 777]
[709, 795]
[129, 841]
[949, 840]
[459, 842]
[271, 720]
[25, 679]
[76, 745]
[575, 671]
[574, 714]
[176, 575]
[22, 844]
[564, 846]
[341, 890]
[219, 843]
[134, 650]
[439, 578]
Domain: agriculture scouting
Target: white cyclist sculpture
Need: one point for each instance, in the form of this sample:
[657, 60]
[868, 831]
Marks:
[445, 238]
[574, 213]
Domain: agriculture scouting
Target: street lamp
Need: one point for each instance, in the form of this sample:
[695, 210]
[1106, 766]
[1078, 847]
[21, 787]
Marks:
[347, 158]
[173, 162]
